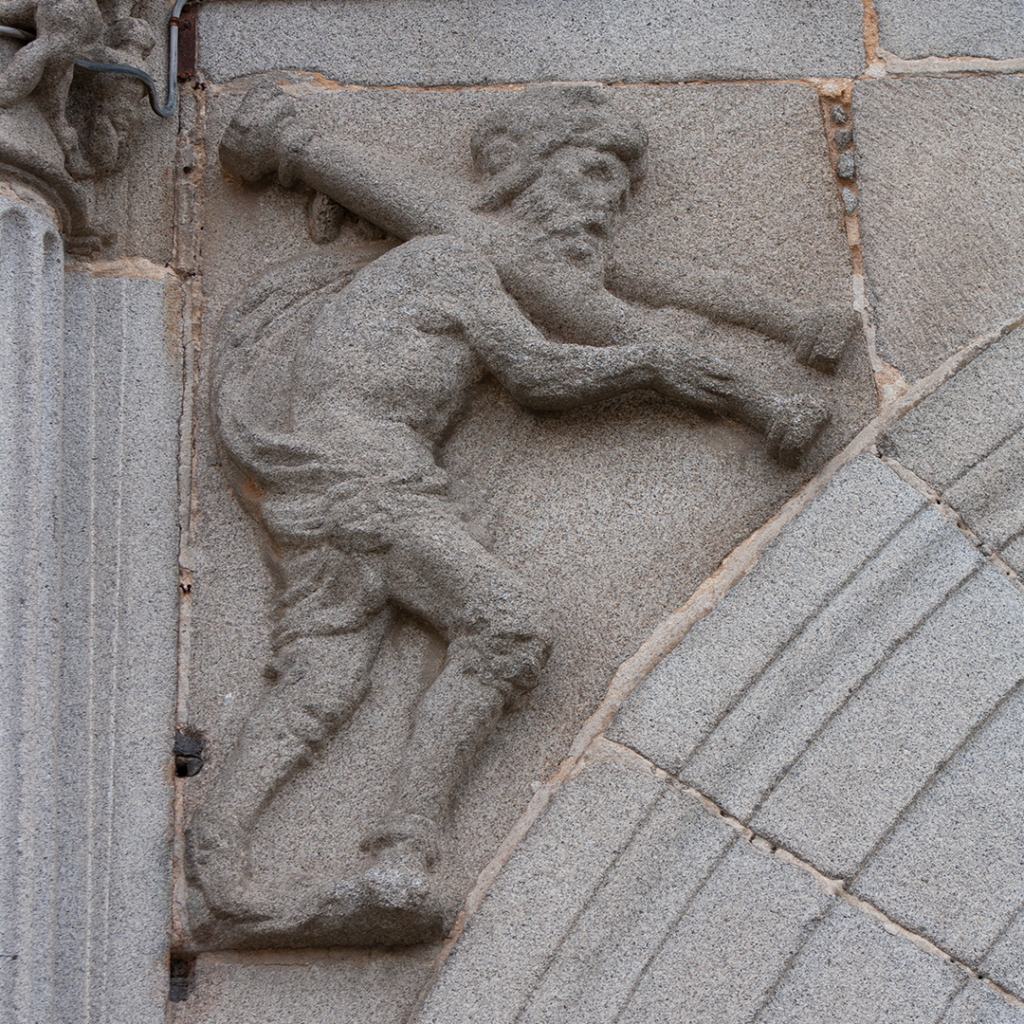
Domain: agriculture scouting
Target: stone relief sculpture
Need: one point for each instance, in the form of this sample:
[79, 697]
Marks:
[72, 98]
[333, 386]
[59, 33]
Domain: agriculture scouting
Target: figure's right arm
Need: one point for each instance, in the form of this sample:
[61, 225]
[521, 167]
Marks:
[266, 136]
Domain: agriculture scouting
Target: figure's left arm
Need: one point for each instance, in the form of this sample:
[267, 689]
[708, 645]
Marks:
[818, 335]
[550, 375]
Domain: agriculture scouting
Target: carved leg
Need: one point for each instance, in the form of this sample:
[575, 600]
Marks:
[321, 682]
[496, 649]
[456, 715]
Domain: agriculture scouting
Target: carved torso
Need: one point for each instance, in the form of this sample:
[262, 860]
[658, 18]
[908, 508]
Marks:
[391, 349]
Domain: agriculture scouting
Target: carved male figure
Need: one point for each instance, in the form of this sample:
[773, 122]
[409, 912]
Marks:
[352, 500]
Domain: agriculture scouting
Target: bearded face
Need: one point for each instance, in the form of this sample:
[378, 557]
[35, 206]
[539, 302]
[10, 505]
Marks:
[573, 203]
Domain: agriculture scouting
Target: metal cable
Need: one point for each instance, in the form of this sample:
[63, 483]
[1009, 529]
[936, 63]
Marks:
[16, 33]
[163, 109]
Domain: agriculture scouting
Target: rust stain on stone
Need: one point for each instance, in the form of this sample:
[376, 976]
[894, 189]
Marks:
[870, 33]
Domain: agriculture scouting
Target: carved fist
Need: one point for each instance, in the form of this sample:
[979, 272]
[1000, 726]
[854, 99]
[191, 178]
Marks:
[256, 143]
[795, 426]
[823, 335]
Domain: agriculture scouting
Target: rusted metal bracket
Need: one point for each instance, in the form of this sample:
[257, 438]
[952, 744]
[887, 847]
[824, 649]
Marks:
[188, 40]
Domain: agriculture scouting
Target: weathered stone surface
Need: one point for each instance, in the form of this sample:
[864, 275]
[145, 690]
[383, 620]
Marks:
[1005, 960]
[550, 488]
[669, 916]
[966, 441]
[856, 779]
[852, 971]
[827, 723]
[445, 43]
[91, 402]
[628, 924]
[940, 28]
[679, 705]
[940, 177]
[953, 868]
[304, 987]
[978, 1004]
[334, 452]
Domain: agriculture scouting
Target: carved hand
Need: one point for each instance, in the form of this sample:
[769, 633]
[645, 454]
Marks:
[822, 335]
[790, 424]
[680, 374]
[262, 135]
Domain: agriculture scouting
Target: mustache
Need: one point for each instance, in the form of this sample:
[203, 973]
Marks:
[553, 219]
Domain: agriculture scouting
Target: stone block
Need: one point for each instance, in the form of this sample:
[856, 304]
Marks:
[31, 325]
[732, 945]
[940, 177]
[852, 971]
[834, 653]
[965, 440]
[953, 868]
[872, 757]
[820, 725]
[658, 492]
[979, 1004]
[561, 864]
[678, 706]
[626, 923]
[682, 920]
[304, 987]
[939, 28]
[464, 43]
[122, 396]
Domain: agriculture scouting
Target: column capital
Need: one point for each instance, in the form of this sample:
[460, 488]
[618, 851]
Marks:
[63, 126]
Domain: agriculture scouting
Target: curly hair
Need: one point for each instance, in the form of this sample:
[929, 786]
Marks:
[509, 146]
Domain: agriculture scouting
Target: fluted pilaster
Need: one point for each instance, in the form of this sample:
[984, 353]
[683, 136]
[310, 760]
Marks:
[90, 392]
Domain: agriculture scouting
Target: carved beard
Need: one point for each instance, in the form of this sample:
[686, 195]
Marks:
[555, 227]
